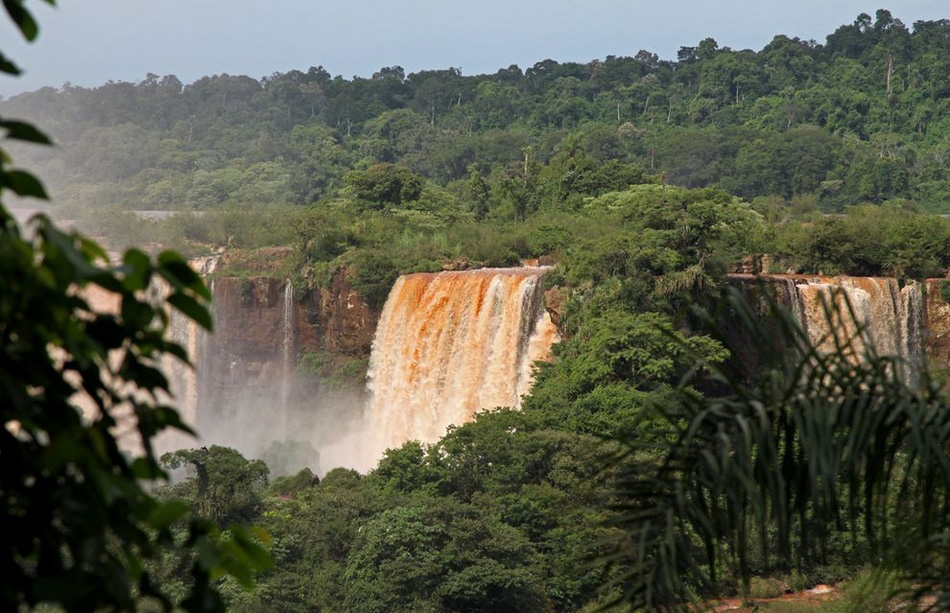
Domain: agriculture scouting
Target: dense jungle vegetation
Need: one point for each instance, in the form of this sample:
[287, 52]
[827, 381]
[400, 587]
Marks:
[493, 167]
[647, 180]
[860, 118]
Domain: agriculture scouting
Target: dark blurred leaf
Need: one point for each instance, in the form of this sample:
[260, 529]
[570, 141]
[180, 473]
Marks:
[167, 513]
[7, 66]
[23, 183]
[137, 268]
[22, 18]
[19, 130]
[191, 308]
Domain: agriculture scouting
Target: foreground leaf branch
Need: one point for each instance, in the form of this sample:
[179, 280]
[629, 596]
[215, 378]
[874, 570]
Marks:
[82, 396]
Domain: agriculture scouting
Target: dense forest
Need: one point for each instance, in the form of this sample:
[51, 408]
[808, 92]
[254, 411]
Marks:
[646, 181]
[860, 118]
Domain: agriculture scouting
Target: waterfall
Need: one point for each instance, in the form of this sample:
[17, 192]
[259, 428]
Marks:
[911, 319]
[287, 350]
[452, 343]
[183, 379]
[892, 317]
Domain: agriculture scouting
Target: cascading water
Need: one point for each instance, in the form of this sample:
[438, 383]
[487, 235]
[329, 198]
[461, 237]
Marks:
[183, 379]
[287, 350]
[184, 382]
[892, 317]
[452, 343]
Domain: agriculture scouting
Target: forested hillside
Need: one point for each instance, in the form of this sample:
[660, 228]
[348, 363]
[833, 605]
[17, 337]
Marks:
[860, 118]
[645, 181]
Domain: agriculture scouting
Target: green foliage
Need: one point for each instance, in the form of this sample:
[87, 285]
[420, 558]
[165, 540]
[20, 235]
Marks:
[794, 118]
[887, 240]
[613, 370]
[819, 455]
[80, 524]
[443, 556]
[332, 372]
[80, 520]
[873, 589]
[502, 515]
[376, 271]
[384, 185]
[224, 487]
[785, 163]
[403, 173]
[766, 587]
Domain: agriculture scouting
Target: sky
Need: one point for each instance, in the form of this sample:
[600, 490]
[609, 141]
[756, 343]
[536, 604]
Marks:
[90, 42]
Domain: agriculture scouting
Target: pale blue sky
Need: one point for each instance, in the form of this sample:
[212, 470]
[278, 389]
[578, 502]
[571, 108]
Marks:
[88, 42]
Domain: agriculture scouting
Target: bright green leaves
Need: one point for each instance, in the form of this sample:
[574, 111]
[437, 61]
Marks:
[71, 491]
[227, 487]
[797, 457]
[80, 530]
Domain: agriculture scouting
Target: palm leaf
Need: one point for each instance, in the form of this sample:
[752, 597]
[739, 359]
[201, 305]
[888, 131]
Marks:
[794, 441]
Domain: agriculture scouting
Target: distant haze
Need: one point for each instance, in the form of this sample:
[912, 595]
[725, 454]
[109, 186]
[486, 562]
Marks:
[90, 42]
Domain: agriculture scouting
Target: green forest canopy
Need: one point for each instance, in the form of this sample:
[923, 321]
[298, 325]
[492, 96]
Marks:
[860, 118]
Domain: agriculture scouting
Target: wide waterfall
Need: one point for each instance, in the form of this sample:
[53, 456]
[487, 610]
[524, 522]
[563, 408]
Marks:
[891, 317]
[452, 343]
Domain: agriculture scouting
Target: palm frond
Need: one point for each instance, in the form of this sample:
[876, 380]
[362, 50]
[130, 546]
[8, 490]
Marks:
[802, 437]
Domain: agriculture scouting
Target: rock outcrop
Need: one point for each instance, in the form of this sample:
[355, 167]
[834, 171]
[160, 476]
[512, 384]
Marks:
[937, 323]
[342, 322]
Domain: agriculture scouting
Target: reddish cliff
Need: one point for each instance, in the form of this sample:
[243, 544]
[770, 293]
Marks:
[936, 323]
[343, 323]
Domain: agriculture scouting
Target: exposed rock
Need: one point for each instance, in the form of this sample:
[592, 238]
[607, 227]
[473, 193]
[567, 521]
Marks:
[248, 315]
[461, 264]
[555, 301]
[343, 322]
[242, 362]
[936, 323]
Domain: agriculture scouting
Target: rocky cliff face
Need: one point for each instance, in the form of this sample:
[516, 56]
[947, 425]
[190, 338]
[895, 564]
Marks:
[260, 330]
[936, 323]
[344, 324]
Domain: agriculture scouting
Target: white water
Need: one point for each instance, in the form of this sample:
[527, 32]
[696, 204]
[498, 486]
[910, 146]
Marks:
[287, 352]
[890, 317]
[450, 344]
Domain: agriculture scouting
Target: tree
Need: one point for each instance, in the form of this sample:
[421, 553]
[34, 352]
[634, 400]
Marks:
[78, 522]
[786, 163]
[384, 185]
[442, 556]
[225, 487]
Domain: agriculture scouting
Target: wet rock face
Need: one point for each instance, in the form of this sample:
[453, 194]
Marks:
[340, 320]
[248, 317]
[241, 361]
[250, 314]
[937, 322]
[555, 301]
